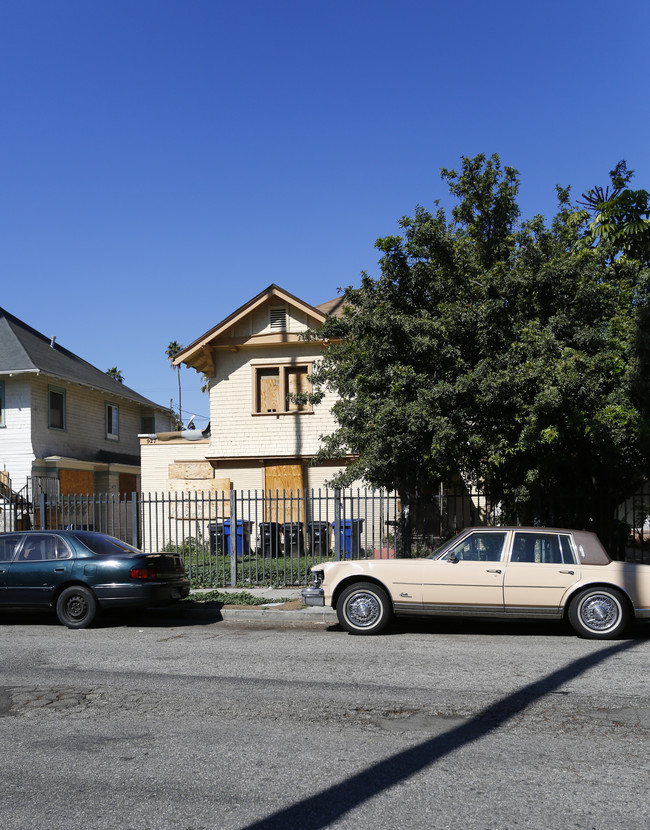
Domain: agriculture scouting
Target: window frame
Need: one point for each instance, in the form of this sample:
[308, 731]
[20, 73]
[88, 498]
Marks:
[147, 424]
[56, 390]
[108, 408]
[283, 370]
[565, 547]
[2, 404]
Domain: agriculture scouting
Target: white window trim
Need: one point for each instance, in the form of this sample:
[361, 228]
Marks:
[112, 436]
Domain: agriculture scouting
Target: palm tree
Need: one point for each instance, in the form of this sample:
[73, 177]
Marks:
[115, 373]
[172, 350]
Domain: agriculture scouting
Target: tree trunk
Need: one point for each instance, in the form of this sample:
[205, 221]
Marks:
[405, 523]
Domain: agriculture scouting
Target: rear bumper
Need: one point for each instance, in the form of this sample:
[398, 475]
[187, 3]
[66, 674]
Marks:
[130, 596]
[313, 596]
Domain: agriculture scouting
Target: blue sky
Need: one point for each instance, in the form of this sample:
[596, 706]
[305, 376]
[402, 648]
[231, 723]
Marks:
[163, 161]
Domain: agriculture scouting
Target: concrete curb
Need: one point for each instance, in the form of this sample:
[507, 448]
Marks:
[269, 613]
[264, 614]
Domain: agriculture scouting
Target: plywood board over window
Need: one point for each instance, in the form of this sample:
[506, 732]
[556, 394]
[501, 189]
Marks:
[273, 386]
[297, 384]
[283, 487]
[128, 484]
[76, 482]
[268, 390]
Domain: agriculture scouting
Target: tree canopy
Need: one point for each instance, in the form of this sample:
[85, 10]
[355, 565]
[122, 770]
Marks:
[116, 374]
[513, 355]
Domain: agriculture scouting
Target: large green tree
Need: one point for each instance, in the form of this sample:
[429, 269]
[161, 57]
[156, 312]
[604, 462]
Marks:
[511, 354]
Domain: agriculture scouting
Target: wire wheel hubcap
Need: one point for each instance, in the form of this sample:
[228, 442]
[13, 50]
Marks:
[363, 609]
[599, 612]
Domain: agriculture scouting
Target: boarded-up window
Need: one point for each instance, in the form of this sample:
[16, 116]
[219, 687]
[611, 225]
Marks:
[76, 482]
[128, 484]
[268, 390]
[297, 383]
[273, 386]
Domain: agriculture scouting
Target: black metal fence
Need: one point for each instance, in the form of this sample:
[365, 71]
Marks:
[257, 538]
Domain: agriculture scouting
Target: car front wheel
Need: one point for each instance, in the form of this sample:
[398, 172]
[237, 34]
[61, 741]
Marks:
[76, 607]
[364, 608]
[599, 613]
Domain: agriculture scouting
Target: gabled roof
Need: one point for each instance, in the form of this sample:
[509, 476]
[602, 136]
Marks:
[23, 350]
[196, 354]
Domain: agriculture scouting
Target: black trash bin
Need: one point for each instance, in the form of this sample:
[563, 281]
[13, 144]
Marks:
[218, 540]
[318, 535]
[269, 538]
[293, 538]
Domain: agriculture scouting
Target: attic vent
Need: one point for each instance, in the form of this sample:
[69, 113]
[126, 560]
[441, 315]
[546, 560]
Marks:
[279, 318]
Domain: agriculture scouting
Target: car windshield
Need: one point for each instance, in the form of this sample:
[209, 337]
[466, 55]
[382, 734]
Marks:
[104, 545]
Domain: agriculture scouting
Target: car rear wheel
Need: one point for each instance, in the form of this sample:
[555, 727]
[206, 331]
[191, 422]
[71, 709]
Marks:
[599, 613]
[76, 607]
[364, 608]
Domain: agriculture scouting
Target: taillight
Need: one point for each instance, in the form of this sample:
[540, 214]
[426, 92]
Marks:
[145, 573]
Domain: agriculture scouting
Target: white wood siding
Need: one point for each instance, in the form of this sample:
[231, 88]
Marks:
[16, 451]
[156, 458]
[236, 431]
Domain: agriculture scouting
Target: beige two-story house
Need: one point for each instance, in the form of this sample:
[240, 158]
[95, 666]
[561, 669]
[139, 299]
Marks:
[259, 440]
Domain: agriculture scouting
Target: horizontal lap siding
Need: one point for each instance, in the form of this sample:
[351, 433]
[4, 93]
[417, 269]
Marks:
[16, 450]
[85, 429]
[238, 432]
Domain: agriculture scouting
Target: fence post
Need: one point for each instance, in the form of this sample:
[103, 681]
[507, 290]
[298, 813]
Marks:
[41, 505]
[337, 525]
[135, 524]
[233, 537]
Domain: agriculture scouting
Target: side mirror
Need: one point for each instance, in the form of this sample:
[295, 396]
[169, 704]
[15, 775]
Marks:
[452, 557]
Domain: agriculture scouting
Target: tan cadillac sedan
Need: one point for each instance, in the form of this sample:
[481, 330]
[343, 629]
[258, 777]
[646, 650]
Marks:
[499, 572]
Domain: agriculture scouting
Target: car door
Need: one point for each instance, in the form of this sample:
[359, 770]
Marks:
[9, 544]
[40, 564]
[542, 567]
[469, 576]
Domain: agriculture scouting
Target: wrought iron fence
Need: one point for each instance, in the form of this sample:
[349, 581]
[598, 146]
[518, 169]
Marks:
[257, 538]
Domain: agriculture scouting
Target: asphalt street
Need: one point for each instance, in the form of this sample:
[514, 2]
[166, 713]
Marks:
[209, 719]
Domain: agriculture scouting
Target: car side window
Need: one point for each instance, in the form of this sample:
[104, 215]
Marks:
[43, 547]
[542, 548]
[9, 545]
[478, 547]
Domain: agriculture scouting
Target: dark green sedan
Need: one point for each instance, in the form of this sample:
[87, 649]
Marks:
[78, 572]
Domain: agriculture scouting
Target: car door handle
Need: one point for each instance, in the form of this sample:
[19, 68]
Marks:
[59, 570]
[494, 571]
[568, 572]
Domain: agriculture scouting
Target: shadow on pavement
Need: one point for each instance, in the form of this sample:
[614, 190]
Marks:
[161, 617]
[327, 807]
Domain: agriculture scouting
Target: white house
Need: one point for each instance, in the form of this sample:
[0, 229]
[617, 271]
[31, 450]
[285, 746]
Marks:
[66, 427]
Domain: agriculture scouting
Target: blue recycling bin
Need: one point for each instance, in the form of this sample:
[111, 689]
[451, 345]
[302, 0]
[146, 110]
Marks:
[350, 537]
[243, 536]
